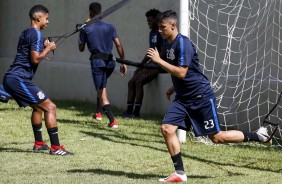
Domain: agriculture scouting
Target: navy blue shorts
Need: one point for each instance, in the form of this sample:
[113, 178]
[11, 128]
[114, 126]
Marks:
[201, 115]
[23, 91]
[100, 75]
[4, 95]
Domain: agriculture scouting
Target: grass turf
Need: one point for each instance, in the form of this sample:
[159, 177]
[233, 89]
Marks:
[133, 153]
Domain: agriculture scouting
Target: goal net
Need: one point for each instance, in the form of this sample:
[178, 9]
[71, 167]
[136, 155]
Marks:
[239, 43]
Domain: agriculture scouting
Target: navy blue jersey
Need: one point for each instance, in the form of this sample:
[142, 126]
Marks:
[155, 40]
[30, 40]
[98, 37]
[195, 85]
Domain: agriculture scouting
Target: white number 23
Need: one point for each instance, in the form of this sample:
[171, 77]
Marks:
[209, 124]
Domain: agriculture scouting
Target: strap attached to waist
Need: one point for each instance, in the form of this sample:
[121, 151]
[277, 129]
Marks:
[102, 56]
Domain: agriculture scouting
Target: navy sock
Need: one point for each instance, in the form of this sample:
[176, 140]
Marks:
[137, 108]
[37, 131]
[98, 106]
[178, 163]
[249, 136]
[54, 136]
[129, 107]
[108, 111]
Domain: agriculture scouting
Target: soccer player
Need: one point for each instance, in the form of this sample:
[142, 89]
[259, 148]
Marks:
[194, 102]
[31, 50]
[143, 76]
[99, 38]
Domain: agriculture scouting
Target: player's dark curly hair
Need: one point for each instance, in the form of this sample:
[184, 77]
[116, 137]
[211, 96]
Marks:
[35, 9]
[95, 8]
[152, 13]
[169, 14]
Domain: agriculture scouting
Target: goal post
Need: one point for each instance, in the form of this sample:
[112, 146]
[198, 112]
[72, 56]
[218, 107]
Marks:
[184, 26]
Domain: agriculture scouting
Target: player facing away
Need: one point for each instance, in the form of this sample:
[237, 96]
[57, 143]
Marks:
[143, 76]
[194, 104]
[31, 50]
[99, 38]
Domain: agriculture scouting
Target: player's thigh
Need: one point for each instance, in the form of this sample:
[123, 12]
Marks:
[203, 116]
[177, 115]
[24, 92]
[147, 77]
[108, 72]
[46, 106]
[99, 77]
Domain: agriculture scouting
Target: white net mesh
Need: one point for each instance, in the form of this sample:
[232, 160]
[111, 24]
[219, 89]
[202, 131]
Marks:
[239, 43]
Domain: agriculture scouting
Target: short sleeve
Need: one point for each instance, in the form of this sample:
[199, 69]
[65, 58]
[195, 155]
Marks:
[114, 32]
[35, 40]
[186, 52]
[82, 37]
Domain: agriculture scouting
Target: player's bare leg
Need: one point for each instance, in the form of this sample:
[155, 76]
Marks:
[107, 107]
[49, 110]
[173, 146]
[36, 122]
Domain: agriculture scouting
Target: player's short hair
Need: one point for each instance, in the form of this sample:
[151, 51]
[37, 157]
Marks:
[167, 15]
[95, 8]
[35, 9]
[152, 13]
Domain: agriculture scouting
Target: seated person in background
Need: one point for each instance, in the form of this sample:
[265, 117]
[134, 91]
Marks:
[143, 76]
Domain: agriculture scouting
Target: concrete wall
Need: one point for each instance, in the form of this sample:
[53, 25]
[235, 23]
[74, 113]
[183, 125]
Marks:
[68, 75]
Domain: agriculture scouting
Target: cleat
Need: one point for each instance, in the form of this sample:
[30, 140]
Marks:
[59, 150]
[97, 116]
[174, 178]
[113, 124]
[264, 137]
[39, 146]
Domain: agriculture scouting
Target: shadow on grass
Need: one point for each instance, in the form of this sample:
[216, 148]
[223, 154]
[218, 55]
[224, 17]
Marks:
[113, 138]
[130, 175]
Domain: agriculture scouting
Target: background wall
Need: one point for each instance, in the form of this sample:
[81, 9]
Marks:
[68, 75]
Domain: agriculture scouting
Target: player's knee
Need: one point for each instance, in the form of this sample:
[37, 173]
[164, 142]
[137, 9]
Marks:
[131, 84]
[166, 129]
[139, 84]
[217, 138]
[51, 107]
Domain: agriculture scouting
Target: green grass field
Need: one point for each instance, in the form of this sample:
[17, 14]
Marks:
[133, 153]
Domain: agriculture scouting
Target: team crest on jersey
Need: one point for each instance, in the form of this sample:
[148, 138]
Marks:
[40, 95]
[154, 39]
[170, 54]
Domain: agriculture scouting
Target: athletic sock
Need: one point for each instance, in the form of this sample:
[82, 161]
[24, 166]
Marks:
[108, 111]
[98, 106]
[37, 131]
[137, 108]
[249, 136]
[130, 107]
[178, 163]
[54, 136]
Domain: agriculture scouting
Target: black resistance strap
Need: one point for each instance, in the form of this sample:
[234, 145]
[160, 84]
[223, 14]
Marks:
[93, 20]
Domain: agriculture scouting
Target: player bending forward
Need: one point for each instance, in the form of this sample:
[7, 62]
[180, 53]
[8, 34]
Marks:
[31, 50]
[194, 102]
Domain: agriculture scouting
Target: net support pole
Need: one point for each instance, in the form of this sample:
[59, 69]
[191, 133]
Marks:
[184, 29]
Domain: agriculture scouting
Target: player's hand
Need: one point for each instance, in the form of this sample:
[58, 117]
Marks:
[153, 54]
[169, 92]
[50, 45]
[123, 69]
